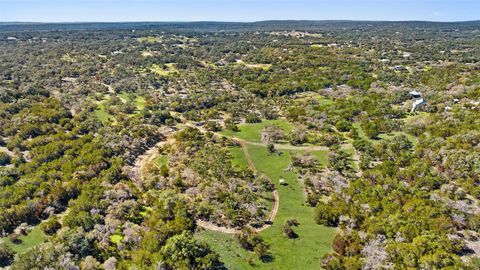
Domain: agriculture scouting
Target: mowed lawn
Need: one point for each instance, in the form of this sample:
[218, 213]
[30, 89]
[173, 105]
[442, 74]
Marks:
[238, 157]
[33, 238]
[253, 132]
[314, 240]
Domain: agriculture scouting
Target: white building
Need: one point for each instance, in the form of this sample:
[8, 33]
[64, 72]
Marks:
[415, 94]
[417, 103]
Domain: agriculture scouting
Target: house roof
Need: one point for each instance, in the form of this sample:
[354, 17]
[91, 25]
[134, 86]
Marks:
[415, 93]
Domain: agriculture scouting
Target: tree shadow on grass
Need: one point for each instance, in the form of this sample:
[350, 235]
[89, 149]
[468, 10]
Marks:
[267, 258]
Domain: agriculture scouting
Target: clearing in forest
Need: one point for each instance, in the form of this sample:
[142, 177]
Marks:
[34, 237]
[164, 70]
[314, 240]
[253, 132]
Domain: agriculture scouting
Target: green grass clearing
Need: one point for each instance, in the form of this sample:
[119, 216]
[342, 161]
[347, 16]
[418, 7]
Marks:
[164, 70]
[231, 253]
[252, 65]
[148, 39]
[313, 98]
[33, 238]
[350, 150]
[322, 157]
[314, 240]
[238, 157]
[103, 115]
[138, 100]
[253, 132]
[388, 136]
[259, 66]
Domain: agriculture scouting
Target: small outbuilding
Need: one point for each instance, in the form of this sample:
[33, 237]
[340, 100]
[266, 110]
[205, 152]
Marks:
[282, 182]
[415, 94]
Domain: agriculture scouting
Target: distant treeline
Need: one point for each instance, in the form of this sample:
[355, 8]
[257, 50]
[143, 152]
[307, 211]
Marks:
[302, 25]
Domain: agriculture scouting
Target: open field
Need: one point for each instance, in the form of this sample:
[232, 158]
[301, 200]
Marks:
[313, 241]
[253, 65]
[149, 39]
[253, 132]
[138, 100]
[164, 70]
[230, 251]
[102, 114]
[106, 117]
[259, 66]
[238, 158]
[387, 136]
[33, 238]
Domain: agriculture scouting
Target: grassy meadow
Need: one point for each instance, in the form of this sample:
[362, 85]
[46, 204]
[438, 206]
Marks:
[314, 240]
[33, 238]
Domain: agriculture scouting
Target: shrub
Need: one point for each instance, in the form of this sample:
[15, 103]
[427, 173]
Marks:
[293, 222]
[252, 118]
[289, 232]
[325, 215]
[343, 125]
[50, 226]
[261, 249]
[6, 255]
[212, 126]
[271, 148]
[5, 159]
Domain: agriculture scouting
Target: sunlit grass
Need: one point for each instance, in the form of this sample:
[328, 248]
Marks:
[148, 39]
[33, 238]
[253, 132]
[164, 70]
[314, 240]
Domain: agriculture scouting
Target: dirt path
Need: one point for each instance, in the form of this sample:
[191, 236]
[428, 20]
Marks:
[277, 145]
[276, 198]
[145, 158]
[356, 160]
[142, 160]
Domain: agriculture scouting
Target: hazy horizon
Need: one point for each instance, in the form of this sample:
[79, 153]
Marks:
[246, 22]
[77, 11]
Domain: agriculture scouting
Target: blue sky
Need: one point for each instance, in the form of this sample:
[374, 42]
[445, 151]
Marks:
[236, 10]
